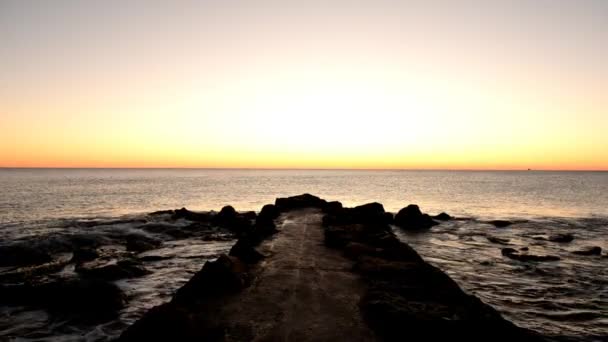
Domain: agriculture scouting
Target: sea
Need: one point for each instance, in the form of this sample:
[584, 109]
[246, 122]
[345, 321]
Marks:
[566, 300]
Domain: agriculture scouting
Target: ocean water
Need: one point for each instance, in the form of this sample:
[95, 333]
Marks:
[566, 299]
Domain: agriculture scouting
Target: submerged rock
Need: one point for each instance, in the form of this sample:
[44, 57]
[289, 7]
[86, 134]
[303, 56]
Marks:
[500, 223]
[564, 238]
[512, 253]
[141, 243]
[443, 217]
[411, 217]
[92, 297]
[22, 255]
[589, 251]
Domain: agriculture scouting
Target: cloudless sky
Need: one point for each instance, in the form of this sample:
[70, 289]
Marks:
[314, 84]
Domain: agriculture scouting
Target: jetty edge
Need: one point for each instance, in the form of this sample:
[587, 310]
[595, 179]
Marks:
[313, 270]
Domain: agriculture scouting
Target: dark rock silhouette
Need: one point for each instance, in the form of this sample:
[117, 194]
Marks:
[91, 297]
[564, 238]
[81, 255]
[22, 255]
[411, 218]
[300, 201]
[140, 243]
[443, 217]
[512, 253]
[589, 251]
[500, 223]
[184, 213]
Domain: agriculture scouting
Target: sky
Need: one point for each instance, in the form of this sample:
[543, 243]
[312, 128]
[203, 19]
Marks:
[305, 84]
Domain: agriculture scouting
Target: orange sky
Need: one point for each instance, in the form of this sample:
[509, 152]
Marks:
[316, 84]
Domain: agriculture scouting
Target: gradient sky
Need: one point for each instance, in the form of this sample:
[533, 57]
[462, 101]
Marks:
[315, 84]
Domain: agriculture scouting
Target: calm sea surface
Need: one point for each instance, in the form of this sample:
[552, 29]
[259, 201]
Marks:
[33, 194]
[565, 299]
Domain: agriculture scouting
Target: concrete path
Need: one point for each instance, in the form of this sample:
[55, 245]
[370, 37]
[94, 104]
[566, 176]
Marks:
[306, 293]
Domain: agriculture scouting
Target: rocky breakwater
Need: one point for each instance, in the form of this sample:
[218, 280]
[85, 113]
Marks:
[343, 277]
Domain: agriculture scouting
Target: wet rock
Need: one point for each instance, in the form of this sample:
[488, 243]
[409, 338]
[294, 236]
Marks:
[157, 228]
[300, 201]
[184, 213]
[113, 271]
[442, 217]
[589, 251]
[92, 297]
[225, 275]
[563, 238]
[500, 223]
[498, 240]
[412, 218]
[525, 249]
[81, 255]
[140, 243]
[162, 212]
[511, 253]
[244, 249]
[173, 322]
[22, 255]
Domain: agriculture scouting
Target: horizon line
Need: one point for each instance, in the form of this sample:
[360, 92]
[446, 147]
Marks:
[291, 169]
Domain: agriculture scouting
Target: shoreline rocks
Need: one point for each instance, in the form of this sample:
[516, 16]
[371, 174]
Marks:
[411, 218]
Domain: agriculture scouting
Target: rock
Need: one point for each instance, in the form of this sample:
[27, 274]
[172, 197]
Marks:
[332, 207]
[223, 276]
[158, 228]
[162, 212]
[354, 250]
[411, 217]
[22, 255]
[589, 251]
[81, 255]
[245, 251]
[500, 223]
[498, 240]
[525, 249]
[300, 201]
[514, 254]
[563, 238]
[249, 215]
[506, 251]
[442, 217]
[141, 243]
[227, 213]
[173, 322]
[184, 213]
[109, 272]
[269, 212]
[91, 297]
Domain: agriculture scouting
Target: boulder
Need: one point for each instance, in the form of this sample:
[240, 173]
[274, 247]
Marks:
[589, 251]
[332, 207]
[184, 213]
[500, 223]
[442, 217]
[244, 250]
[90, 297]
[22, 255]
[269, 212]
[563, 238]
[141, 243]
[227, 274]
[300, 201]
[411, 217]
[81, 255]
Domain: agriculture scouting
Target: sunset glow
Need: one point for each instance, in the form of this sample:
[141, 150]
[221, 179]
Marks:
[364, 84]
